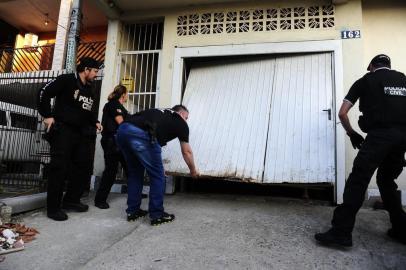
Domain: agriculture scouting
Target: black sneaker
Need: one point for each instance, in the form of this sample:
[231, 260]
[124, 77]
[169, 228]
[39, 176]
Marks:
[396, 235]
[134, 216]
[78, 207]
[59, 215]
[166, 218]
[331, 237]
[102, 205]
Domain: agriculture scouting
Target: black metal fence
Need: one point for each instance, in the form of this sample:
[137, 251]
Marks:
[24, 154]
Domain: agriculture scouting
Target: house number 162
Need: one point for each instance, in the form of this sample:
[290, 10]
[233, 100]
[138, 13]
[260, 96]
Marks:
[350, 34]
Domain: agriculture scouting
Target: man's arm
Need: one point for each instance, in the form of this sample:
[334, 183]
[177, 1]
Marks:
[356, 139]
[46, 93]
[343, 115]
[119, 119]
[188, 157]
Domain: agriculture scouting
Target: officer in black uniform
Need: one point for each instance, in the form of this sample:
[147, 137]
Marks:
[382, 95]
[71, 130]
[114, 114]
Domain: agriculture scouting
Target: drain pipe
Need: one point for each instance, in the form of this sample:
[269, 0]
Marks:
[25, 203]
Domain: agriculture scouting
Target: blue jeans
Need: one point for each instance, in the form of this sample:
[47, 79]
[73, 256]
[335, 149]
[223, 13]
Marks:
[140, 155]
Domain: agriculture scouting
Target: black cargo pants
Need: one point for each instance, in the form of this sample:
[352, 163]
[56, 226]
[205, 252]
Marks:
[71, 160]
[112, 156]
[383, 149]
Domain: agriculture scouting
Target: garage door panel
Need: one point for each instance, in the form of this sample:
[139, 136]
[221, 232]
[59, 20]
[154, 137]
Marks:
[301, 143]
[228, 136]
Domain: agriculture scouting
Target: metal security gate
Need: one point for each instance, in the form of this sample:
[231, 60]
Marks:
[140, 54]
[139, 66]
[24, 154]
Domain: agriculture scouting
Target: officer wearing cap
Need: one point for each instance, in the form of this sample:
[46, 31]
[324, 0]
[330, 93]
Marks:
[382, 102]
[71, 130]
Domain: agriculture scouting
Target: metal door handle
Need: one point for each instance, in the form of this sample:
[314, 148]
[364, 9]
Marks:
[329, 113]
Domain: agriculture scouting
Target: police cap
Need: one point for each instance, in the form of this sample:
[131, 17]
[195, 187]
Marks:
[89, 62]
[380, 59]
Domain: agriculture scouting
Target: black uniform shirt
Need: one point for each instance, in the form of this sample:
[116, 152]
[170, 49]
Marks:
[168, 124]
[111, 110]
[73, 101]
[382, 96]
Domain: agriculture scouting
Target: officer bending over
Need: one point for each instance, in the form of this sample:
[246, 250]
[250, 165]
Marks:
[114, 114]
[382, 95]
[140, 138]
[71, 130]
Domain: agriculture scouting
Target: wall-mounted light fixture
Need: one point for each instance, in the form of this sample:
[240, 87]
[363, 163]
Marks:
[46, 22]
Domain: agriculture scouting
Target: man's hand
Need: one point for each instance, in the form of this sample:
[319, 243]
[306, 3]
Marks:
[99, 127]
[49, 122]
[356, 139]
[194, 173]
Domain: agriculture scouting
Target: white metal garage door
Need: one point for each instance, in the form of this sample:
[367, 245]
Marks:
[241, 111]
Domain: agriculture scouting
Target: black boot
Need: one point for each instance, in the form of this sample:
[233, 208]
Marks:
[397, 235]
[332, 237]
[58, 215]
[78, 207]
[102, 205]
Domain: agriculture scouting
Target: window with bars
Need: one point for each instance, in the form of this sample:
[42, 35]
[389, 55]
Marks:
[140, 50]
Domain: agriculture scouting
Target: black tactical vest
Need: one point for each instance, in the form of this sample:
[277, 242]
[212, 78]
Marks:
[384, 103]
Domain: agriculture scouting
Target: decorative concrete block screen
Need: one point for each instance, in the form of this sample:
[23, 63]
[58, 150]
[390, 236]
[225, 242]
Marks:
[256, 20]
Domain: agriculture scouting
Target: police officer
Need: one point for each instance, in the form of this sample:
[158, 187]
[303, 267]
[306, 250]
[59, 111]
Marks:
[140, 138]
[114, 114]
[382, 95]
[71, 130]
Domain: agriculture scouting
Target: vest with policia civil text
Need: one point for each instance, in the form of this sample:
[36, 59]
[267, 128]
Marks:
[384, 102]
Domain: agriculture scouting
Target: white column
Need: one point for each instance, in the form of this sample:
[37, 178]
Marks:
[58, 61]
[110, 72]
[73, 33]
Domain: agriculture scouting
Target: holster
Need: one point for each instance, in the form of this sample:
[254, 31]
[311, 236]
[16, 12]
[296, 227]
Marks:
[48, 135]
[151, 129]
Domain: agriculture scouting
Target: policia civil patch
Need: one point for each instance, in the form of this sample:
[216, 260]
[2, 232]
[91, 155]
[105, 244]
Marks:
[395, 91]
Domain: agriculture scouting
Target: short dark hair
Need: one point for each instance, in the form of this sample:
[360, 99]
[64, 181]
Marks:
[179, 107]
[88, 62]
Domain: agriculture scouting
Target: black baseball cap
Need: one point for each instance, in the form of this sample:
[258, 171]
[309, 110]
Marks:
[382, 59]
[89, 62]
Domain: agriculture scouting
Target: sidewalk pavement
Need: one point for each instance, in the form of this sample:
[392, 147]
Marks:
[211, 231]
